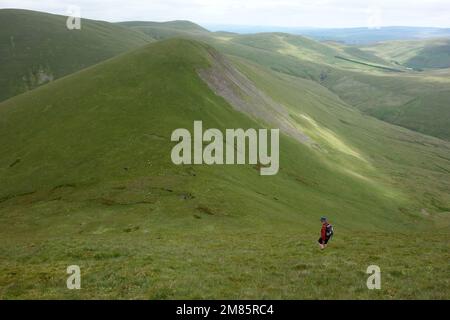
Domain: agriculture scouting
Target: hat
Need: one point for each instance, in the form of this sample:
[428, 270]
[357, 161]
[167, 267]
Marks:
[323, 219]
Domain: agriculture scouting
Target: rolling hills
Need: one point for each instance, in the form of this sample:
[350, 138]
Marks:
[369, 83]
[375, 79]
[369, 79]
[350, 36]
[86, 178]
[419, 55]
[360, 36]
[36, 47]
[163, 30]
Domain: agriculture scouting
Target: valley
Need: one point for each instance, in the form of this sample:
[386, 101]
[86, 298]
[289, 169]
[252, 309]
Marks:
[86, 175]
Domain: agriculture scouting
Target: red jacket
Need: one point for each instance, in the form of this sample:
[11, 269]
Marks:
[323, 231]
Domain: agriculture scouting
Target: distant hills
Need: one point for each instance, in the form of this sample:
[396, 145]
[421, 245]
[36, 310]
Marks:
[372, 83]
[181, 25]
[402, 82]
[346, 35]
[86, 175]
[416, 54]
[37, 47]
[109, 126]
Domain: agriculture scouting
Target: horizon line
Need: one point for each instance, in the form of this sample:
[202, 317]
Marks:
[221, 24]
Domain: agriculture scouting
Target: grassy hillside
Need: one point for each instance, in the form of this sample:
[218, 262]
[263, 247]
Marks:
[164, 30]
[182, 25]
[36, 47]
[370, 79]
[349, 36]
[385, 90]
[301, 48]
[419, 54]
[86, 178]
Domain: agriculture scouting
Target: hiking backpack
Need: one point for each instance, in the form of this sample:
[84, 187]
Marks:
[329, 231]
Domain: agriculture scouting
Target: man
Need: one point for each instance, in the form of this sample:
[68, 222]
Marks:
[325, 233]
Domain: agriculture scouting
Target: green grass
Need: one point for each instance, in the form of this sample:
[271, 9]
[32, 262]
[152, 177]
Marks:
[165, 30]
[37, 47]
[419, 54]
[226, 263]
[377, 91]
[86, 178]
[370, 65]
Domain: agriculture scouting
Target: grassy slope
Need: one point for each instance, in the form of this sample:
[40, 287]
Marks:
[373, 82]
[293, 46]
[164, 30]
[419, 54]
[174, 25]
[363, 79]
[106, 196]
[385, 94]
[36, 47]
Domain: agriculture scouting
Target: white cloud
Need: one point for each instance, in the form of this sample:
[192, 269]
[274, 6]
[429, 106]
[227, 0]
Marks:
[318, 13]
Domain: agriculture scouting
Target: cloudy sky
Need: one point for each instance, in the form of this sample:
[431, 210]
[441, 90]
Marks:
[284, 13]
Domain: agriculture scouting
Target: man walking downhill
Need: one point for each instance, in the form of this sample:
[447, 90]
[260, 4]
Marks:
[325, 233]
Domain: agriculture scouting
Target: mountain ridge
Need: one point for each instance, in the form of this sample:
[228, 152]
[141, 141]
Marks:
[86, 177]
[37, 47]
